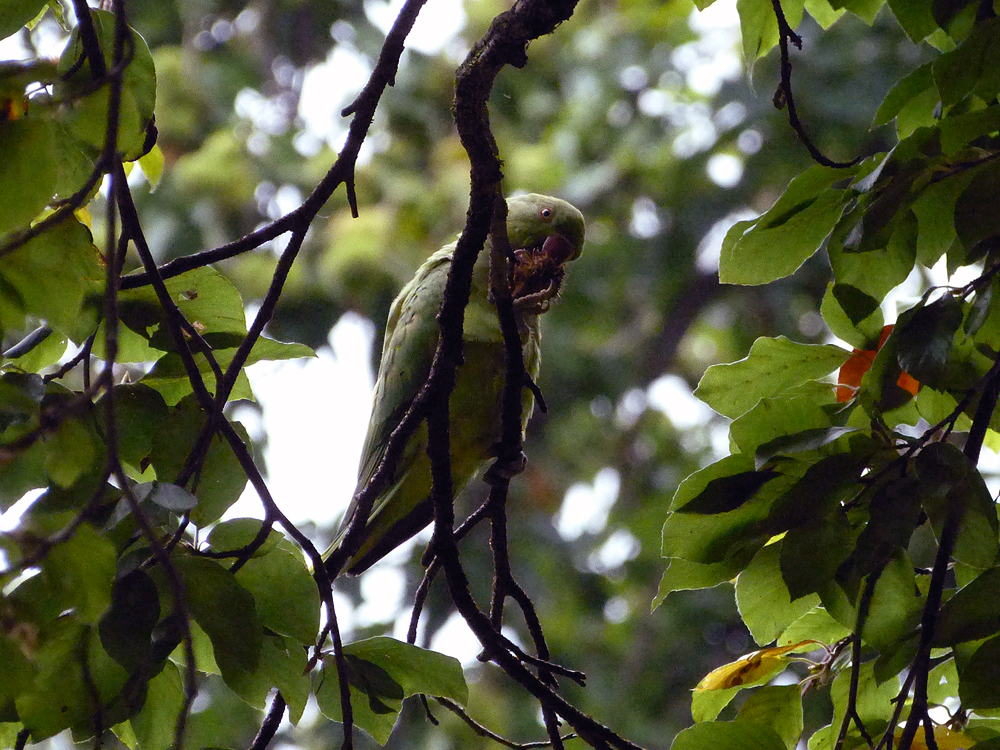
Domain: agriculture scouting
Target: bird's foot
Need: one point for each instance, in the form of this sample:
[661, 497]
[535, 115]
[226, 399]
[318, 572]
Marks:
[505, 469]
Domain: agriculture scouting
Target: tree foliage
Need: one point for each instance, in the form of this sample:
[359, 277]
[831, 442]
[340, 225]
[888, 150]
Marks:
[851, 511]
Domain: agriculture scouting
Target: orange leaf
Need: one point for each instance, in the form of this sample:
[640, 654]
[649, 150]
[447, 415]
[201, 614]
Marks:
[851, 373]
[854, 369]
[908, 383]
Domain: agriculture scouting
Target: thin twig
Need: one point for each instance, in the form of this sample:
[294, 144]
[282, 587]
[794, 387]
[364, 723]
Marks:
[851, 710]
[784, 97]
[482, 731]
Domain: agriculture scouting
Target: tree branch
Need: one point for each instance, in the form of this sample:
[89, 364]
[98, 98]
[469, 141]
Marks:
[946, 544]
[504, 43]
[783, 96]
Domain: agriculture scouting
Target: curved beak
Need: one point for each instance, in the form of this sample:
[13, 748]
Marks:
[558, 248]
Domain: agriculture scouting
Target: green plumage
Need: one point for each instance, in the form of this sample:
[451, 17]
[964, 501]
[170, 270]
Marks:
[545, 233]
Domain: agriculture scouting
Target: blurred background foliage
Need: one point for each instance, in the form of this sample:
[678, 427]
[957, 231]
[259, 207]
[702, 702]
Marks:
[641, 113]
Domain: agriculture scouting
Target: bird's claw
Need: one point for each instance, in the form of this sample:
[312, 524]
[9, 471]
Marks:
[505, 469]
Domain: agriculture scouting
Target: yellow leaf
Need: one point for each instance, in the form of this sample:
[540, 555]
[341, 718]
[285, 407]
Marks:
[84, 217]
[945, 739]
[751, 667]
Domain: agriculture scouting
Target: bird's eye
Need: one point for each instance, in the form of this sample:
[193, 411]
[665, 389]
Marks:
[545, 213]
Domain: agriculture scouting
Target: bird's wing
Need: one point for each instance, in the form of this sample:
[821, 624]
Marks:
[410, 340]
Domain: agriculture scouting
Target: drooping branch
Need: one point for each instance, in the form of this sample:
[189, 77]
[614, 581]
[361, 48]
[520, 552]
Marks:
[783, 97]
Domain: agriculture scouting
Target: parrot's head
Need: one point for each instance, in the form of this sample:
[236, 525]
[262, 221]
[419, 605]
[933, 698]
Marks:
[545, 233]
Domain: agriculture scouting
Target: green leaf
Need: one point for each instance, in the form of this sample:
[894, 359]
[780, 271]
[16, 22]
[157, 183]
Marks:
[290, 674]
[977, 209]
[728, 493]
[837, 301]
[140, 413]
[59, 697]
[23, 472]
[771, 367]
[706, 705]
[881, 256]
[28, 184]
[227, 613]
[16, 672]
[954, 17]
[854, 303]
[952, 485]
[221, 480]
[776, 706]
[214, 307]
[696, 483]
[70, 451]
[979, 687]
[74, 162]
[127, 627]
[735, 535]
[811, 554]
[935, 211]
[893, 513]
[166, 495]
[57, 277]
[828, 441]
[285, 593]
[979, 310]
[760, 27]
[873, 705]
[170, 377]
[924, 338]
[382, 671]
[920, 112]
[972, 613]
[156, 723]
[45, 353]
[108, 679]
[206, 298]
[152, 166]
[86, 115]
[942, 682]
[958, 131]
[781, 240]
[823, 13]
[763, 599]
[728, 735]
[21, 396]
[804, 407]
[866, 10]
[814, 625]
[282, 665]
[971, 68]
[16, 13]
[80, 573]
[936, 405]
[684, 575]
[237, 533]
[915, 18]
[895, 606]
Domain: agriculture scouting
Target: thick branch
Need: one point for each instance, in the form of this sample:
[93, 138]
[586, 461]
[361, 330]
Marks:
[503, 44]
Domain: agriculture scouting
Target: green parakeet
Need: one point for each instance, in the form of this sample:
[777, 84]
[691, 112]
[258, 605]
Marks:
[545, 234]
